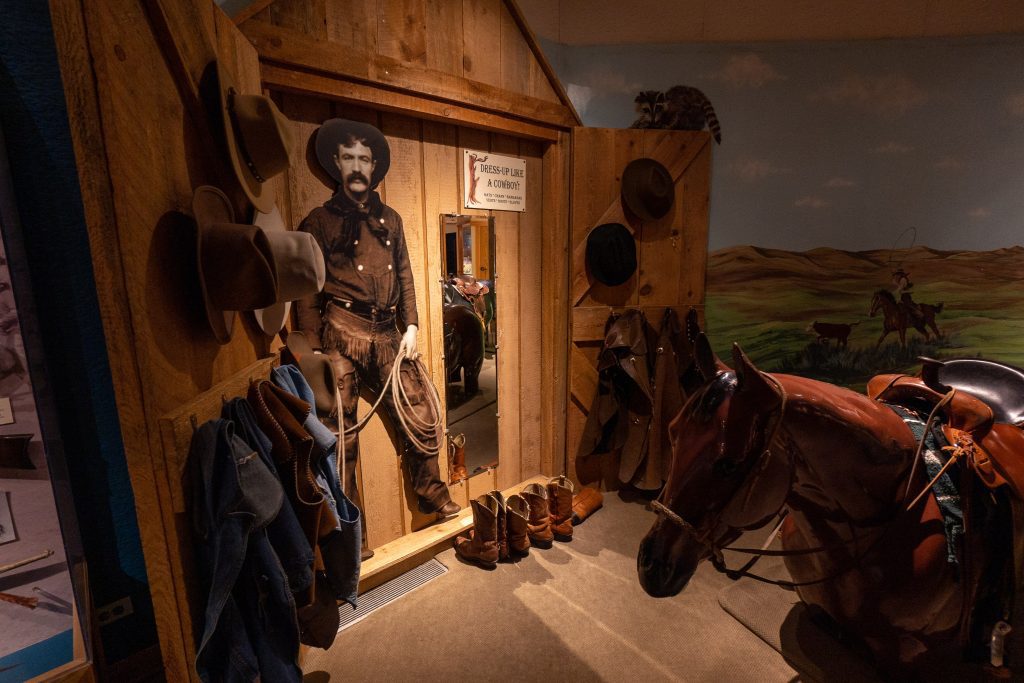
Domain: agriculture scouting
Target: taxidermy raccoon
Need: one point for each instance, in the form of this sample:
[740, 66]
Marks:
[679, 108]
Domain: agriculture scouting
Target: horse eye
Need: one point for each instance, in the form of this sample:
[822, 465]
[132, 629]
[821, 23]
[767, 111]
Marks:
[724, 468]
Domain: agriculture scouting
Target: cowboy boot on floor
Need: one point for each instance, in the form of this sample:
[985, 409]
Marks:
[481, 546]
[560, 507]
[517, 527]
[502, 524]
[539, 527]
[457, 459]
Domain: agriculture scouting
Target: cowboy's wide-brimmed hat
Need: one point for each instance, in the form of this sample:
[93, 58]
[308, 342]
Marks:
[334, 132]
[300, 266]
[316, 368]
[236, 262]
[611, 254]
[647, 189]
[259, 139]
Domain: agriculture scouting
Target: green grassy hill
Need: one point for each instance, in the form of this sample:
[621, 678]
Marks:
[766, 299]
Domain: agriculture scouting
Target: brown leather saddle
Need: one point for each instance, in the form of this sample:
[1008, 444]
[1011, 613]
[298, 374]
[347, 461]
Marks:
[984, 416]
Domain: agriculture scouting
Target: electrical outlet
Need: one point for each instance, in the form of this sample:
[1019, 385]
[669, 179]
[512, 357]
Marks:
[113, 611]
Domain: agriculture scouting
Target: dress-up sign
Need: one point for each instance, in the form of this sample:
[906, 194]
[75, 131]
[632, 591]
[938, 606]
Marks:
[493, 181]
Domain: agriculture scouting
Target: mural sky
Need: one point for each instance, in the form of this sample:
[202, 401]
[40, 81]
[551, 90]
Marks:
[844, 145]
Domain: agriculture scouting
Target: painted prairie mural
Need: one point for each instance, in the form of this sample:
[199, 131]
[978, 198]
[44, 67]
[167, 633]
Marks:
[844, 316]
[867, 198]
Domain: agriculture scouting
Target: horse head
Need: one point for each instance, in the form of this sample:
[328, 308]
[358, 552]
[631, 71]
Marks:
[724, 477]
[881, 298]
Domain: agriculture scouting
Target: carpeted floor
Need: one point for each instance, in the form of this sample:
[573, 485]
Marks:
[574, 612]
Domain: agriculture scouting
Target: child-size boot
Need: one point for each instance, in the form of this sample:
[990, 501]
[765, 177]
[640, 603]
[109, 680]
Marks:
[560, 507]
[517, 527]
[539, 526]
[481, 545]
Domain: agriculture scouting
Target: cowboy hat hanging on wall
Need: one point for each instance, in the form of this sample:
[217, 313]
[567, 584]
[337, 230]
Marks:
[299, 264]
[239, 264]
[647, 189]
[611, 254]
[258, 136]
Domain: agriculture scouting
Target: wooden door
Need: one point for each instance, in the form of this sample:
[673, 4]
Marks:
[671, 252]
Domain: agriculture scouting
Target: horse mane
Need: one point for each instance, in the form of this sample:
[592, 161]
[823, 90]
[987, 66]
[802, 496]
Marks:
[886, 294]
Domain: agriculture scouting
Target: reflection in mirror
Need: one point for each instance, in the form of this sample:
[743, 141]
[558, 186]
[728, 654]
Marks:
[470, 348]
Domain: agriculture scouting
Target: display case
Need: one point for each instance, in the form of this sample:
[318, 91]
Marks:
[43, 614]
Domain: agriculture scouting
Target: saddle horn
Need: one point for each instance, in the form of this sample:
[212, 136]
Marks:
[930, 374]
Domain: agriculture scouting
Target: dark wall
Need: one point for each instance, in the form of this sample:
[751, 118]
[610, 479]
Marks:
[78, 412]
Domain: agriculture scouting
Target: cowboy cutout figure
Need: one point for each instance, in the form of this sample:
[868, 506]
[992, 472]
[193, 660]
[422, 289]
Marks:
[367, 310]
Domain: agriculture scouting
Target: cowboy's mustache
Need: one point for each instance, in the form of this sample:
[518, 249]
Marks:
[357, 175]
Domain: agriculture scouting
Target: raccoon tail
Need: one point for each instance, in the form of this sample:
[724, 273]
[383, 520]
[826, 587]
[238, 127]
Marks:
[712, 120]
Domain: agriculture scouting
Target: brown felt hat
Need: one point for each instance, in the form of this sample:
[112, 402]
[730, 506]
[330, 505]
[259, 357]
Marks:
[647, 189]
[259, 139]
[336, 132]
[317, 369]
[299, 264]
[236, 262]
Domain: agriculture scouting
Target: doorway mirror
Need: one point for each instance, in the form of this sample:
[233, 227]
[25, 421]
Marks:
[470, 338]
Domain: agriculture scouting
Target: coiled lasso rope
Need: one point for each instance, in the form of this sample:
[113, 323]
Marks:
[413, 426]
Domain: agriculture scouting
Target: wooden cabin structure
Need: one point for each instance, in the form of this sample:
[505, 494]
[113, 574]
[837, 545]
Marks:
[437, 77]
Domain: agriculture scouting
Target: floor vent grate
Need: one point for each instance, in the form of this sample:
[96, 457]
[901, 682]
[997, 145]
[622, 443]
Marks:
[388, 592]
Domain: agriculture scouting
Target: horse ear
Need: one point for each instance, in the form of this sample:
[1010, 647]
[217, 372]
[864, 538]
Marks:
[748, 378]
[707, 361]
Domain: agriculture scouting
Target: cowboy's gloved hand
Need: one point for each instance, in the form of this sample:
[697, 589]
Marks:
[409, 343]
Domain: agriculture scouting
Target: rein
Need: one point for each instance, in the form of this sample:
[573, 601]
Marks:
[716, 551]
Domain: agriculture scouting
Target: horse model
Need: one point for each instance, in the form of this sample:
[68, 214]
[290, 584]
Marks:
[864, 537]
[897, 317]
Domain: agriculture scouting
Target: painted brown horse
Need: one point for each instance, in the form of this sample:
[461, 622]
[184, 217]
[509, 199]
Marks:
[748, 445]
[897, 317]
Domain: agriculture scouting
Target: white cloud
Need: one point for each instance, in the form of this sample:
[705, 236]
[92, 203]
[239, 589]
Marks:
[949, 164]
[840, 182]
[890, 95]
[747, 70]
[980, 212]
[1015, 104]
[892, 147]
[811, 202]
[754, 169]
[580, 96]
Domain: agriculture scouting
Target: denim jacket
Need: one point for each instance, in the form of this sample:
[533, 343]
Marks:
[284, 532]
[250, 630]
[341, 549]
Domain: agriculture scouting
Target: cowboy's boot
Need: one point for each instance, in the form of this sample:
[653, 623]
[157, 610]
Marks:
[481, 546]
[517, 525]
[539, 526]
[502, 524]
[560, 507]
[457, 458]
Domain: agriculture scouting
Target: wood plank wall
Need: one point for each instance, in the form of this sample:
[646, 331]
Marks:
[671, 252]
[479, 40]
[138, 129]
[425, 181]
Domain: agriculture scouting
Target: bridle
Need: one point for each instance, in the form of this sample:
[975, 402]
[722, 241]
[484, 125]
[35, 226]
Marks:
[715, 551]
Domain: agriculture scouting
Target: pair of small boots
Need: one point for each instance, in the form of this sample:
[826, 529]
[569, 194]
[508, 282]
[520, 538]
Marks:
[500, 529]
[506, 528]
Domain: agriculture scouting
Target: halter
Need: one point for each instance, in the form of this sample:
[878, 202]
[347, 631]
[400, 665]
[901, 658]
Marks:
[715, 551]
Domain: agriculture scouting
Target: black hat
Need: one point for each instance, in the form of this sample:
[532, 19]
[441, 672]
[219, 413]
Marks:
[647, 189]
[336, 132]
[611, 253]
